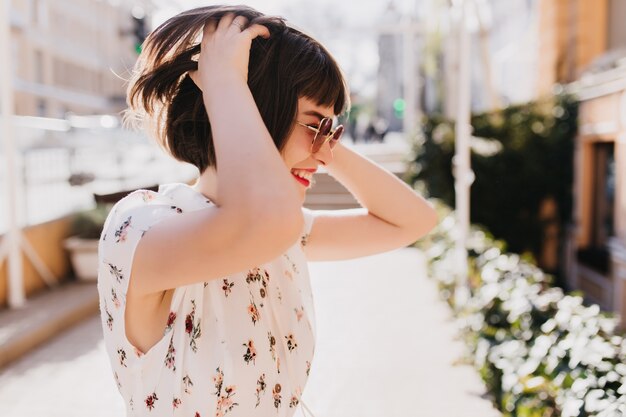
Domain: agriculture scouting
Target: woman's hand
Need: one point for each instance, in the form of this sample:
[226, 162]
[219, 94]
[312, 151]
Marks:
[225, 50]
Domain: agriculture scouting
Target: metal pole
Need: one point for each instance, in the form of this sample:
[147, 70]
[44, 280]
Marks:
[11, 241]
[494, 99]
[410, 79]
[462, 170]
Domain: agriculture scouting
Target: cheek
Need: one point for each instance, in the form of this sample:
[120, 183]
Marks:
[296, 150]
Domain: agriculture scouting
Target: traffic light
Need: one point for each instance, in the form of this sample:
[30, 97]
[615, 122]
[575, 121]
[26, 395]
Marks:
[139, 32]
[398, 107]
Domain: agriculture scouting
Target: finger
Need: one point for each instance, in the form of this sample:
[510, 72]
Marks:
[258, 30]
[209, 27]
[225, 21]
[238, 24]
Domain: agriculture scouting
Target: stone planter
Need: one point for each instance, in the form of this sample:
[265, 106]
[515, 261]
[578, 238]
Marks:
[84, 257]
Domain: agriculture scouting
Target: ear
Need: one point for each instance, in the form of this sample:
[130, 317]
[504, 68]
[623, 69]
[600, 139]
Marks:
[194, 77]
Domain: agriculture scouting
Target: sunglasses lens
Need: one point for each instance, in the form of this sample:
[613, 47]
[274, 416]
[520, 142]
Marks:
[324, 130]
[325, 125]
[336, 135]
[321, 139]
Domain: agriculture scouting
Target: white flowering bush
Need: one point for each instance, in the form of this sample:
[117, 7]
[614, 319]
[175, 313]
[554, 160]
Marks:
[540, 352]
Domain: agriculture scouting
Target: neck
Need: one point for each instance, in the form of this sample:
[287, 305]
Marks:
[206, 184]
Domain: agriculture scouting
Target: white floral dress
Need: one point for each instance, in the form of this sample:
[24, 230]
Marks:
[237, 346]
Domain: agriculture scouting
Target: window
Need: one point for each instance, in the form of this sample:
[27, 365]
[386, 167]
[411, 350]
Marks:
[39, 15]
[42, 107]
[616, 27]
[38, 67]
[35, 10]
[602, 223]
[15, 56]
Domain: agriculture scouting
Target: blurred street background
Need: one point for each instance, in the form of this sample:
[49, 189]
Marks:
[512, 112]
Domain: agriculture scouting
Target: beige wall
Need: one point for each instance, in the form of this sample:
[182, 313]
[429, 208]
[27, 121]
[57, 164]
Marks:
[67, 53]
[47, 241]
[591, 36]
[552, 40]
[617, 28]
[602, 119]
[572, 33]
[620, 194]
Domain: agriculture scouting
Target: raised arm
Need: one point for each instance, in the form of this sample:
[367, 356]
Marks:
[259, 216]
[393, 214]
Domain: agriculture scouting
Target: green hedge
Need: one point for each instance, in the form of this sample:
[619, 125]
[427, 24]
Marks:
[523, 155]
[540, 352]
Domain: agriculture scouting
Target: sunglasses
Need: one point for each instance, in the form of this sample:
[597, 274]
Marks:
[324, 134]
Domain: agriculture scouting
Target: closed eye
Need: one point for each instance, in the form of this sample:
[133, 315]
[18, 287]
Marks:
[311, 128]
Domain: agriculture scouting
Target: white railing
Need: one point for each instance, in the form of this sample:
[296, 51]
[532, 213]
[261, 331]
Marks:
[62, 166]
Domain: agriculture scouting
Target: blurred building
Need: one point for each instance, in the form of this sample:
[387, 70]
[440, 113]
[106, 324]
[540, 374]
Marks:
[584, 44]
[504, 56]
[521, 48]
[533, 45]
[390, 78]
[66, 55]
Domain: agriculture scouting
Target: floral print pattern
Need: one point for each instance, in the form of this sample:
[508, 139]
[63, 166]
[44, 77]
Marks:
[253, 311]
[152, 398]
[295, 398]
[263, 277]
[117, 273]
[122, 357]
[299, 312]
[224, 403]
[147, 195]
[109, 318]
[276, 395]
[240, 342]
[170, 321]
[121, 232]
[227, 287]
[193, 328]
[170, 359]
[116, 301]
[187, 383]
[292, 264]
[250, 354]
[291, 343]
[272, 344]
[260, 388]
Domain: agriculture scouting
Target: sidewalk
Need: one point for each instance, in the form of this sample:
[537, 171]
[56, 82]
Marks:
[385, 343]
[43, 316]
[385, 348]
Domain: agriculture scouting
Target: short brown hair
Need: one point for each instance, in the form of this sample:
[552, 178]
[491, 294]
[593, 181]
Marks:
[283, 68]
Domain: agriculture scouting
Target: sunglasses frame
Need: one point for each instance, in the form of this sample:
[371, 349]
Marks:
[328, 136]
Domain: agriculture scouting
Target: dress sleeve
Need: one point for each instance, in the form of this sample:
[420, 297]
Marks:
[309, 217]
[128, 221]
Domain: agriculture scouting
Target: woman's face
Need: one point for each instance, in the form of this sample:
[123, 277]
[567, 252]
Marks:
[297, 151]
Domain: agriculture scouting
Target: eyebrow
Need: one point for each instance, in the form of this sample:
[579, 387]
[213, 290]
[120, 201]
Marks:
[316, 113]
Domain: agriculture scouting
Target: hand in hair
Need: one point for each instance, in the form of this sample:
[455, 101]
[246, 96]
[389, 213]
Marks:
[225, 50]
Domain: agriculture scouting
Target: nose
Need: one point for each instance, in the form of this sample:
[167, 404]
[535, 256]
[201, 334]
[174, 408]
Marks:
[324, 154]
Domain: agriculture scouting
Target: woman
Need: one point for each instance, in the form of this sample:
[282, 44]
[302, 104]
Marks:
[217, 318]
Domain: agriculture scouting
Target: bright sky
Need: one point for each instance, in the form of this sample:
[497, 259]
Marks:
[346, 28]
